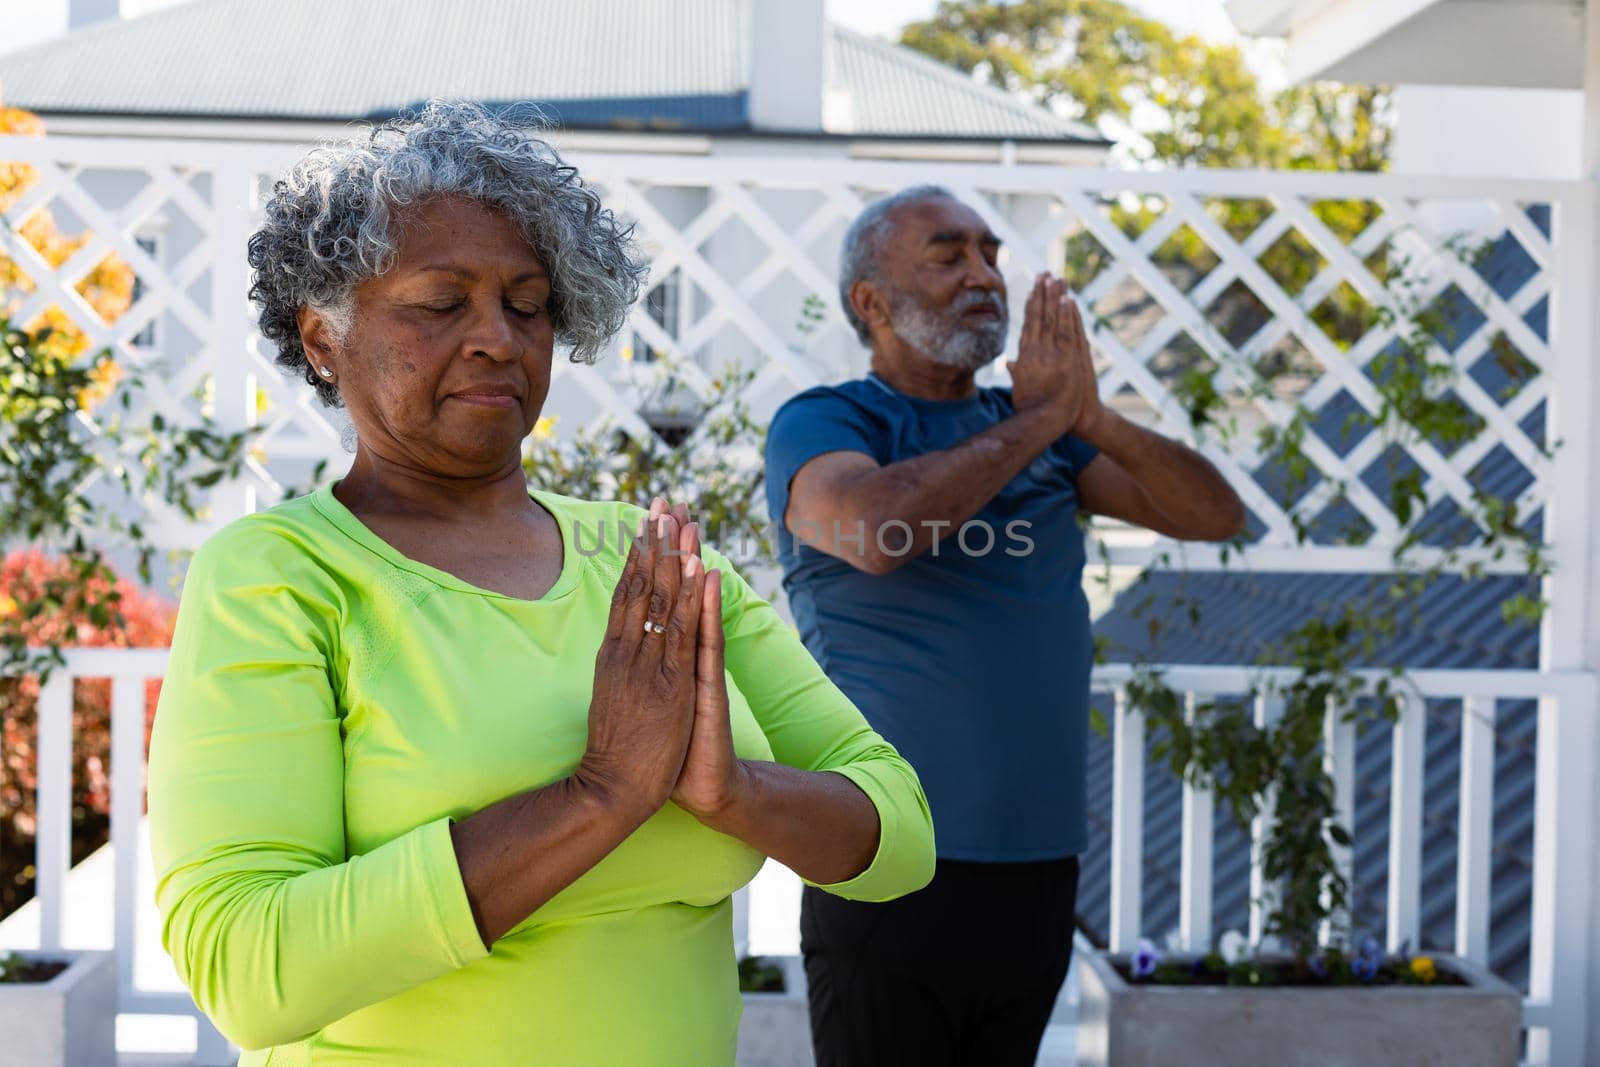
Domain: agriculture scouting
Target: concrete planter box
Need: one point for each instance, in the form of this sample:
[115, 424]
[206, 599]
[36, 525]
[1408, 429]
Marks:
[69, 1021]
[776, 1028]
[1123, 1025]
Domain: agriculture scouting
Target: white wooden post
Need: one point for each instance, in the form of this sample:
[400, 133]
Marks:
[1339, 760]
[1263, 894]
[53, 805]
[1405, 823]
[1581, 645]
[127, 807]
[1194, 905]
[1127, 825]
[741, 923]
[1475, 836]
[1565, 953]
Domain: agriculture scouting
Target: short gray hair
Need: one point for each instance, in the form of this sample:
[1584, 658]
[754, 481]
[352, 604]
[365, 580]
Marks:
[860, 255]
[330, 223]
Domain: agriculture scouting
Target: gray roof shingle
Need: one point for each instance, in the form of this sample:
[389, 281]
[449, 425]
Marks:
[654, 64]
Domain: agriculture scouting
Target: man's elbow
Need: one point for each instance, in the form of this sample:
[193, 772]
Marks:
[1224, 523]
[1229, 523]
[1235, 520]
[876, 563]
[871, 544]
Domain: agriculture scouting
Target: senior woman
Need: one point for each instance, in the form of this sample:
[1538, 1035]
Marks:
[434, 779]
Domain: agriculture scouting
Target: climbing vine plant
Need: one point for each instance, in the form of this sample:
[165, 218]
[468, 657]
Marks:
[1321, 666]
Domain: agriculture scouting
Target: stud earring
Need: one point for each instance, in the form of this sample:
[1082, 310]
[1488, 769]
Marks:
[326, 373]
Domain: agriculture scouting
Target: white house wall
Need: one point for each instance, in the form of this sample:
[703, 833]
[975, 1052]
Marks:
[1488, 132]
[1484, 132]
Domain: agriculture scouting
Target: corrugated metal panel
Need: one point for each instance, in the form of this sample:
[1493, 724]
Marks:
[654, 64]
[895, 91]
[357, 58]
[1457, 624]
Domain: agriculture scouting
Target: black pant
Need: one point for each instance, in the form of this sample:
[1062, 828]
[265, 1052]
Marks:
[961, 974]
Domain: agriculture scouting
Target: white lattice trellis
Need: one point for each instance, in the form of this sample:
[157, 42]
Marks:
[748, 239]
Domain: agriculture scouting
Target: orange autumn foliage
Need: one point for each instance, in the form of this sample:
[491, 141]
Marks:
[146, 622]
[107, 288]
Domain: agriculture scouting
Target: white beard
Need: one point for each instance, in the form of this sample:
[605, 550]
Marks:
[943, 337]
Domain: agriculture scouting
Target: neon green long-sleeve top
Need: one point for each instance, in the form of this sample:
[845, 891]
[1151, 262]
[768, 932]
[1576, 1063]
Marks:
[331, 705]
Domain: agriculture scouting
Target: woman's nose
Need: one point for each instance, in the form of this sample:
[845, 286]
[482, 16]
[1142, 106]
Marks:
[492, 334]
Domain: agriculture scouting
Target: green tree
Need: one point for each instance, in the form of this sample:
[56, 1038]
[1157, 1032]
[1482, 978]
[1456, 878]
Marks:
[1195, 103]
[1100, 59]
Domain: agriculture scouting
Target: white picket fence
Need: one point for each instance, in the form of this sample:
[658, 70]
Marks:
[740, 243]
[1565, 738]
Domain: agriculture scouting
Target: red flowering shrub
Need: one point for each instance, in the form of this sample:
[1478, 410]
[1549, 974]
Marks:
[136, 620]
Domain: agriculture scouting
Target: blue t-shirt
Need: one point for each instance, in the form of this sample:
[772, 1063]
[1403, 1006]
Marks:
[973, 660]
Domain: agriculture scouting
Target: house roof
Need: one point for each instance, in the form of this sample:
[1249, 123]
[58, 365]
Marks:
[1530, 44]
[679, 65]
[1456, 624]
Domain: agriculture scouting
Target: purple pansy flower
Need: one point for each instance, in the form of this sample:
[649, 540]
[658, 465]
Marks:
[1367, 960]
[1145, 958]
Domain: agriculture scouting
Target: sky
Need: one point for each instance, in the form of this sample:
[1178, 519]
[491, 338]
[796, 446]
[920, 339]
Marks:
[26, 22]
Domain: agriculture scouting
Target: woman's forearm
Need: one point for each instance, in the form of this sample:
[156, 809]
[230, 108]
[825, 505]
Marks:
[818, 824]
[517, 854]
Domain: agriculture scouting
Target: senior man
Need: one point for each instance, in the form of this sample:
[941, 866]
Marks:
[929, 534]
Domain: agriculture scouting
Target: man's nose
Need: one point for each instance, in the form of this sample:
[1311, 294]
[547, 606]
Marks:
[981, 274]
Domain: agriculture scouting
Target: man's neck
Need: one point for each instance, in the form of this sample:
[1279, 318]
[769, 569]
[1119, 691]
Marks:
[917, 375]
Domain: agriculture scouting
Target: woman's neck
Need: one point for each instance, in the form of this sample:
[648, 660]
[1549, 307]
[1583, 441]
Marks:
[377, 486]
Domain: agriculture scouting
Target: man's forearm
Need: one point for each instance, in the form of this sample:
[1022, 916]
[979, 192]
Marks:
[935, 493]
[1179, 481]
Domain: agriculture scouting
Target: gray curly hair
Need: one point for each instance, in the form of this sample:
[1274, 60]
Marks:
[330, 224]
[862, 249]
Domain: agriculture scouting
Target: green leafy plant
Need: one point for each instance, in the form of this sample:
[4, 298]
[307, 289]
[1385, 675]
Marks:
[74, 477]
[76, 472]
[17, 969]
[713, 463]
[1253, 764]
[758, 975]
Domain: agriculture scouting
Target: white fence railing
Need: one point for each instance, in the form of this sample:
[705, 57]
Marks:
[1565, 722]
